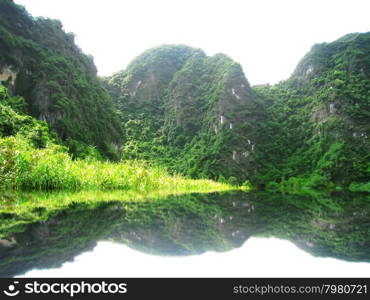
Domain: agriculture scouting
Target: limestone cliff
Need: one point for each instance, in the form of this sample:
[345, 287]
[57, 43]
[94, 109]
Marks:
[41, 62]
[188, 110]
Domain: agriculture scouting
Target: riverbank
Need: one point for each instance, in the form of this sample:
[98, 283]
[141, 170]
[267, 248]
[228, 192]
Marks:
[26, 168]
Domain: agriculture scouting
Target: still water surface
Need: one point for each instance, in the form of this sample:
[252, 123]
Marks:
[232, 234]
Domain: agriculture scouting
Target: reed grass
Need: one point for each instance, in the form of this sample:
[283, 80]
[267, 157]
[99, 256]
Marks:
[25, 168]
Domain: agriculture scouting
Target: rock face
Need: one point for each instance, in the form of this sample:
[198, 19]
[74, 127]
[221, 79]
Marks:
[8, 76]
[40, 62]
[195, 107]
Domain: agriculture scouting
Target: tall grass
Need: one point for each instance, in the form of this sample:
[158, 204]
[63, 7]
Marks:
[23, 167]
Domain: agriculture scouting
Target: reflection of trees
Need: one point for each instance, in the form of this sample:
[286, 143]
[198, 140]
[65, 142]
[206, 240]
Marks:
[329, 225]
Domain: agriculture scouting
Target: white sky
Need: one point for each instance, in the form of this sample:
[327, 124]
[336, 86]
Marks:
[258, 257]
[268, 37]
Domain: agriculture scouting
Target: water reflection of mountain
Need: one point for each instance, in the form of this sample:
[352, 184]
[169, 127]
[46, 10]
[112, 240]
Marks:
[334, 226]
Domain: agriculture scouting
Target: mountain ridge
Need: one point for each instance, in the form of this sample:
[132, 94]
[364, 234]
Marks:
[192, 113]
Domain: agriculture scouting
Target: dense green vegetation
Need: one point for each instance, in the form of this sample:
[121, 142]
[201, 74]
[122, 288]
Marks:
[48, 77]
[309, 132]
[57, 80]
[178, 109]
[31, 160]
[24, 167]
[186, 110]
[316, 131]
[14, 121]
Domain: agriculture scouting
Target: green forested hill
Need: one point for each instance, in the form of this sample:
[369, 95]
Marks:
[317, 126]
[198, 115]
[187, 110]
[40, 62]
[193, 113]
